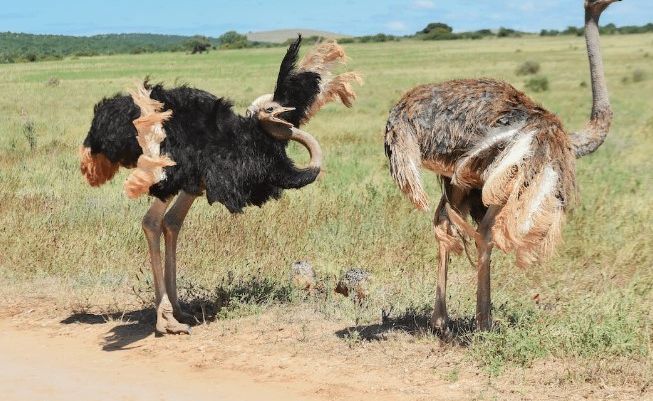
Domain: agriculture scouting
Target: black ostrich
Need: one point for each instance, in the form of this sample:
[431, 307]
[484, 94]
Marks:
[185, 142]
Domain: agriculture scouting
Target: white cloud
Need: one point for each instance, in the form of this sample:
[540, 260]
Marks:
[424, 4]
[396, 26]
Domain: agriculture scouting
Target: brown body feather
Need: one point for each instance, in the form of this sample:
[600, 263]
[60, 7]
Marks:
[484, 134]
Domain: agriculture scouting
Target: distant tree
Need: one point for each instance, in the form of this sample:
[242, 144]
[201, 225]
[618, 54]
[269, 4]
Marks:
[609, 29]
[484, 32]
[437, 31]
[379, 37]
[572, 30]
[508, 33]
[437, 28]
[549, 32]
[198, 44]
[233, 40]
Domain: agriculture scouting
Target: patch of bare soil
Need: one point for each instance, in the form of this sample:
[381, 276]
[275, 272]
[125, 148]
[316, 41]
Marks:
[280, 355]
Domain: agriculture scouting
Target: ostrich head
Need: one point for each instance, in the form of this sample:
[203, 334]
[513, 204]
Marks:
[596, 7]
[302, 89]
[268, 113]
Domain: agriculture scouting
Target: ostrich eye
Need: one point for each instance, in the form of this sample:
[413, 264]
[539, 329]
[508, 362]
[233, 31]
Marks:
[270, 109]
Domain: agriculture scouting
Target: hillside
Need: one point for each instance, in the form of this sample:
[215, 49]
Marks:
[29, 47]
[281, 35]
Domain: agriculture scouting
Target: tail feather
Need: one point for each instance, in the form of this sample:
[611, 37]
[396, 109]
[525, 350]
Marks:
[533, 180]
[96, 168]
[404, 156]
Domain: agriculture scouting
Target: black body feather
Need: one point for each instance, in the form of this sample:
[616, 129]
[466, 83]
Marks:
[229, 156]
[295, 88]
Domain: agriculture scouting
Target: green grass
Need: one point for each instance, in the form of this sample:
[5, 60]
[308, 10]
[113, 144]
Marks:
[595, 296]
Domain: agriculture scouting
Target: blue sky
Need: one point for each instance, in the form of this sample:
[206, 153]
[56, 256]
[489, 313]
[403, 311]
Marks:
[356, 17]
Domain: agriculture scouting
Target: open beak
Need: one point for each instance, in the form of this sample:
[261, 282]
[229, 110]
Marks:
[274, 117]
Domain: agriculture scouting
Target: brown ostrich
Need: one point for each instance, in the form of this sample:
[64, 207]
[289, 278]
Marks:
[502, 159]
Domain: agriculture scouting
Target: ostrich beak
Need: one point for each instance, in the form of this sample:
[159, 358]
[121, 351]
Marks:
[274, 116]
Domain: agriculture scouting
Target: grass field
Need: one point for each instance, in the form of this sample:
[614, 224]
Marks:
[83, 248]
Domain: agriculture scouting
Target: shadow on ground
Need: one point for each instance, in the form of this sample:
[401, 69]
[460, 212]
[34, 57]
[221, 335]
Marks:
[458, 331]
[139, 324]
[136, 325]
[204, 304]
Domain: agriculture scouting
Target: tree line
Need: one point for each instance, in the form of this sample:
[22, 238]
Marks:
[22, 47]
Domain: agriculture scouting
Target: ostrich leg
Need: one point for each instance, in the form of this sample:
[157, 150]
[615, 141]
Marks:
[440, 318]
[172, 223]
[484, 246]
[152, 226]
[452, 197]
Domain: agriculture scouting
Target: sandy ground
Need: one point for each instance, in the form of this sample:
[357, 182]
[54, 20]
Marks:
[41, 365]
[57, 354]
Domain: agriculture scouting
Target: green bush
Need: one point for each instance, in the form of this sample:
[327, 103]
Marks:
[528, 68]
[639, 76]
[538, 84]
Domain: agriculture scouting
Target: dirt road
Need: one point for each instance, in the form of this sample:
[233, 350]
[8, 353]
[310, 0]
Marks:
[55, 354]
[37, 365]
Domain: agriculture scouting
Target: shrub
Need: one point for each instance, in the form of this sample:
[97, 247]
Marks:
[29, 130]
[538, 84]
[528, 68]
[53, 82]
[639, 76]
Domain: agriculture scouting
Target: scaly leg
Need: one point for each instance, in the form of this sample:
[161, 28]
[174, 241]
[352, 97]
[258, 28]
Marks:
[440, 318]
[152, 226]
[484, 245]
[172, 223]
[447, 242]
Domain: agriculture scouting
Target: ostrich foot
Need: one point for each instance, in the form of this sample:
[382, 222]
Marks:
[440, 325]
[166, 322]
[184, 317]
